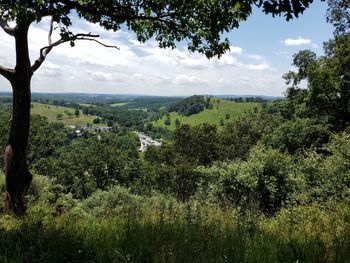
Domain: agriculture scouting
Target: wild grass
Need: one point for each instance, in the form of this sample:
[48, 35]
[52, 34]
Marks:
[159, 230]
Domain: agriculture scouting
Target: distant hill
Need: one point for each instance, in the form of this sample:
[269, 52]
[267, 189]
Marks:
[68, 117]
[220, 111]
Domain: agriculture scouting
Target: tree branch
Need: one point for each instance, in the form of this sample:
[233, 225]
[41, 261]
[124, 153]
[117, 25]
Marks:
[46, 50]
[7, 73]
[9, 30]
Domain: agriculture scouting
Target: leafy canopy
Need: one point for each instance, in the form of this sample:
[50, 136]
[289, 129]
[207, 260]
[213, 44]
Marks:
[199, 22]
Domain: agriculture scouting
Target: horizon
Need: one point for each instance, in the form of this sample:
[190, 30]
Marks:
[147, 95]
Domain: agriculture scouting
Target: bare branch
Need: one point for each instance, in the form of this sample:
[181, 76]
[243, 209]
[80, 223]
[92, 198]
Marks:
[9, 30]
[46, 50]
[7, 73]
[95, 40]
[50, 32]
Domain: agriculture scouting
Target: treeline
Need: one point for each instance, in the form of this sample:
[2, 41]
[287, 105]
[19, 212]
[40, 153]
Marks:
[255, 99]
[190, 106]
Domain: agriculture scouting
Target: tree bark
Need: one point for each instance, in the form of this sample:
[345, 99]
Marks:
[18, 177]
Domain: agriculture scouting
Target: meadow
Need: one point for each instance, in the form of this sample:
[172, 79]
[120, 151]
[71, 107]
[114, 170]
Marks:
[220, 109]
[119, 104]
[51, 112]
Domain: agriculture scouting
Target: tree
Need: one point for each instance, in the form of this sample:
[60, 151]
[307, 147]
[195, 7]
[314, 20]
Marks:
[167, 120]
[177, 123]
[200, 23]
[339, 16]
[327, 95]
[76, 113]
[59, 116]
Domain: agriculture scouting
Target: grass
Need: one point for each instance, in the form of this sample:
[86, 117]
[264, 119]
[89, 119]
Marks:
[218, 236]
[160, 229]
[119, 104]
[212, 116]
[51, 111]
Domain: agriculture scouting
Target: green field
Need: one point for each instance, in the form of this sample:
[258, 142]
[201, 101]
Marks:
[212, 116]
[119, 104]
[51, 111]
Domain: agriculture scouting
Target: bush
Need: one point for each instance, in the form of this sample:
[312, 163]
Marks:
[297, 135]
[327, 175]
[265, 180]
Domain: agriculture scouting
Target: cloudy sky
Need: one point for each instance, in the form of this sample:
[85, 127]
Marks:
[261, 51]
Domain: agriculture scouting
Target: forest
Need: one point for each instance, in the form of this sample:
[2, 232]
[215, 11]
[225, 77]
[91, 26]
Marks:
[260, 180]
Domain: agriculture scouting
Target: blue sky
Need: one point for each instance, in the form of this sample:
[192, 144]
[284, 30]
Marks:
[261, 51]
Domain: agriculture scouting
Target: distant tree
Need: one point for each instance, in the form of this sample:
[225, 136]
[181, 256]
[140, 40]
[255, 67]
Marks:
[59, 116]
[222, 122]
[116, 128]
[110, 123]
[167, 121]
[85, 110]
[69, 114]
[227, 116]
[177, 123]
[96, 121]
[76, 113]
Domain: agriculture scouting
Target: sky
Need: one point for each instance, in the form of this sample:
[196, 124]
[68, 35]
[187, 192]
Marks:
[261, 52]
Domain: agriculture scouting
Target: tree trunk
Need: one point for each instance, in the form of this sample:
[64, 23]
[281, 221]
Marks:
[18, 178]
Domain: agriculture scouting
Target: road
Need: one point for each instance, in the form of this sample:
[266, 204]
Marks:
[145, 141]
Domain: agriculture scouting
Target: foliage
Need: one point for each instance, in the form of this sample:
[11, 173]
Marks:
[327, 96]
[239, 136]
[297, 135]
[88, 170]
[327, 176]
[198, 143]
[189, 106]
[264, 181]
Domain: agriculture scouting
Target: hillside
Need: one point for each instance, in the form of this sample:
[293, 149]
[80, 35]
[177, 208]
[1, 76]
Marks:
[51, 111]
[213, 116]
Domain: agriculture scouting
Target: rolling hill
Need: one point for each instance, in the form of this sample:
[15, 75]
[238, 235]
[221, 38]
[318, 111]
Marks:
[213, 116]
[51, 111]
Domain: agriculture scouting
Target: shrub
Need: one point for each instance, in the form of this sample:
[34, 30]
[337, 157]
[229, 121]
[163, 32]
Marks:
[266, 179]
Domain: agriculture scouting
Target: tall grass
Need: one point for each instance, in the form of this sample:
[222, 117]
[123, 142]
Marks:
[164, 231]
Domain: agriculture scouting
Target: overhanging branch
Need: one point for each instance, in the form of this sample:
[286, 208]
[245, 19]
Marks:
[46, 50]
[9, 30]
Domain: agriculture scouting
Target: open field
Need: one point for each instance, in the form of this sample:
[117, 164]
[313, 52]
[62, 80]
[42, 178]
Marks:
[51, 111]
[212, 116]
[119, 104]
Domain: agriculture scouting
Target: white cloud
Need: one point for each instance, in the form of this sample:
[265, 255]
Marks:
[298, 42]
[183, 79]
[262, 66]
[236, 50]
[108, 77]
